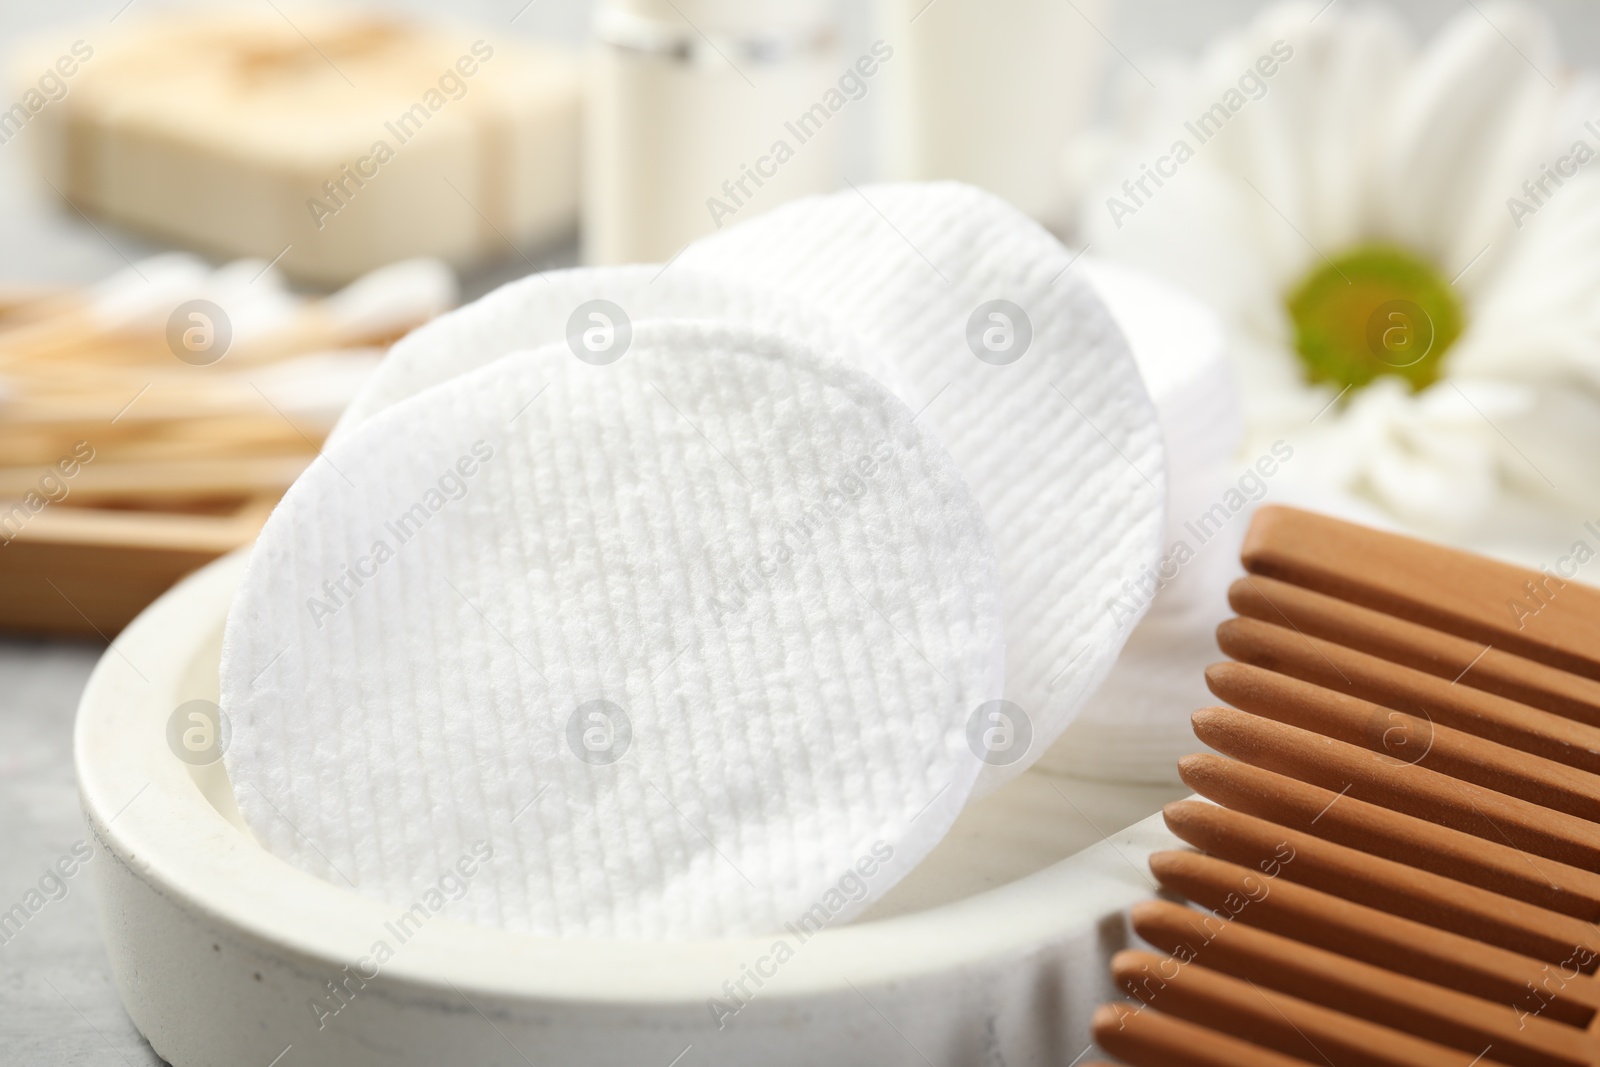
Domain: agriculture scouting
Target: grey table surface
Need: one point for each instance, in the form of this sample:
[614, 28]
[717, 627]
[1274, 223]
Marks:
[58, 1003]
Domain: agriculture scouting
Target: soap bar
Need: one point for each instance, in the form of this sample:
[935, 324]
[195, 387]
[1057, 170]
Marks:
[339, 141]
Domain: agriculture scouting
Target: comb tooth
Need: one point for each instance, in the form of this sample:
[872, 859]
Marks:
[1392, 942]
[1447, 589]
[1359, 989]
[1391, 783]
[1403, 859]
[1393, 835]
[1408, 738]
[1456, 659]
[1370, 678]
[1146, 1039]
[1395, 887]
[1271, 1019]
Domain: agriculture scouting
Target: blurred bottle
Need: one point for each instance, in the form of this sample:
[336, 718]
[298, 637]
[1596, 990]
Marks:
[988, 91]
[705, 112]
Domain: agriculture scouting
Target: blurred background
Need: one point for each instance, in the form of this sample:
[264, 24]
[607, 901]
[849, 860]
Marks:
[44, 241]
[272, 193]
[214, 220]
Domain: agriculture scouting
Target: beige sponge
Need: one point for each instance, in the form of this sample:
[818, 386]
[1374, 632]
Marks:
[342, 141]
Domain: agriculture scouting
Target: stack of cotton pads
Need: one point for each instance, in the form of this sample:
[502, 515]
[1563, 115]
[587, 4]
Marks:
[705, 594]
[1136, 726]
[1022, 370]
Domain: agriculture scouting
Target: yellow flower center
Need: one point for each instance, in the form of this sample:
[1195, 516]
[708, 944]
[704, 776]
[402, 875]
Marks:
[1374, 310]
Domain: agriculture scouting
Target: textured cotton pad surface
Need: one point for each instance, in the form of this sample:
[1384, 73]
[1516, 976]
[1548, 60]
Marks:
[1020, 367]
[1136, 725]
[594, 310]
[691, 639]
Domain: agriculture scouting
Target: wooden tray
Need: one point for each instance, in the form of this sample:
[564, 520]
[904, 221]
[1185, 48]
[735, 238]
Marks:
[125, 466]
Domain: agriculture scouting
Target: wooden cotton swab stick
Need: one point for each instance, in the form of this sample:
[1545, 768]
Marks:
[181, 479]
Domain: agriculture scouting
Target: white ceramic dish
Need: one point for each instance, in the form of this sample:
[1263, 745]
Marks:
[993, 951]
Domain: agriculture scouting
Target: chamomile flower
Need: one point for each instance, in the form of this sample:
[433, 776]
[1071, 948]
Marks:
[1403, 242]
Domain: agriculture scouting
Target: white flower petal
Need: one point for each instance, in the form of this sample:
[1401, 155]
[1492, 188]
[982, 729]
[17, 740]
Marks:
[1429, 460]
[1435, 479]
[1553, 449]
[1198, 231]
[1467, 126]
[1308, 144]
[1288, 148]
[1465, 402]
[1341, 132]
[1541, 319]
[1354, 140]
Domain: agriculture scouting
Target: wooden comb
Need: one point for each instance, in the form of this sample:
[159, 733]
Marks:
[1399, 863]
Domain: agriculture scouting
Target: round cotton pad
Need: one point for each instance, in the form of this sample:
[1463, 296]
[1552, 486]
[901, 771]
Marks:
[682, 644]
[1016, 362]
[594, 310]
[1136, 725]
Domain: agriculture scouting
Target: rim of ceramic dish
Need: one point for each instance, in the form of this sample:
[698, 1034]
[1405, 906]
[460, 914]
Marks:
[163, 820]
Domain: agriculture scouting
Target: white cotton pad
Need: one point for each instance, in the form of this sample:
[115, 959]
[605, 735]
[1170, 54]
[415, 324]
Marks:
[594, 310]
[691, 639]
[1016, 362]
[1136, 725]
[1178, 346]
